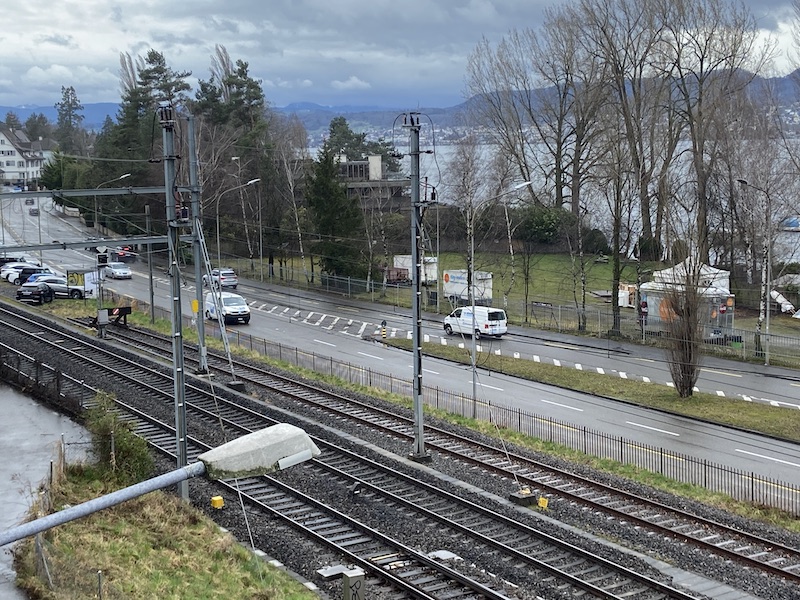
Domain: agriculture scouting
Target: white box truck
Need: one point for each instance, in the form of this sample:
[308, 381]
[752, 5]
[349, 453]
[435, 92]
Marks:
[455, 286]
[429, 271]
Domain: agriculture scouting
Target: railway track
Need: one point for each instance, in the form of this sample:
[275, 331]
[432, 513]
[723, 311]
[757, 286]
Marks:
[753, 551]
[522, 546]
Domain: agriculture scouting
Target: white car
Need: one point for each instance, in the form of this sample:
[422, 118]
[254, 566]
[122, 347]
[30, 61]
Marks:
[9, 271]
[118, 270]
[62, 288]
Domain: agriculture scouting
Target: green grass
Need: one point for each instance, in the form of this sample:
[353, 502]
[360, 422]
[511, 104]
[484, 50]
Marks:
[155, 546]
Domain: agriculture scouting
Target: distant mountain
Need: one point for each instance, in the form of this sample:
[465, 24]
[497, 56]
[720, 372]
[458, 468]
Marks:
[381, 120]
[93, 114]
[315, 117]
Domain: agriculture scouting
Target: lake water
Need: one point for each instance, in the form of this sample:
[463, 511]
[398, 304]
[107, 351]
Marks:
[29, 435]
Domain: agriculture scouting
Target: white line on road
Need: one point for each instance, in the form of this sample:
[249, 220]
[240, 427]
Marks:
[491, 387]
[425, 370]
[721, 372]
[326, 343]
[562, 405]
[370, 356]
[653, 428]
[777, 460]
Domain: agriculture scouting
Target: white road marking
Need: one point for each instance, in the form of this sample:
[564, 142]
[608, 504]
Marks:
[653, 428]
[491, 387]
[565, 346]
[777, 460]
[326, 343]
[721, 372]
[562, 405]
[370, 356]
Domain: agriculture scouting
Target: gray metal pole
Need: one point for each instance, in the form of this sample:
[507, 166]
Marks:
[150, 264]
[197, 251]
[167, 120]
[92, 506]
[418, 452]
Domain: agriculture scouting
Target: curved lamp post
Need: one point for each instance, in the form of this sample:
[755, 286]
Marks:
[95, 220]
[766, 272]
[471, 287]
[219, 198]
[264, 451]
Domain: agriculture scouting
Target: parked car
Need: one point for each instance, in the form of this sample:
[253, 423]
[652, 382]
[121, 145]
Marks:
[9, 270]
[30, 201]
[34, 212]
[36, 292]
[25, 272]
[61, 287]
[118, 270]
[222, 278]
[232, 307]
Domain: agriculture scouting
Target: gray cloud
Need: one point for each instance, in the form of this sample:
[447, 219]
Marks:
[382, 52]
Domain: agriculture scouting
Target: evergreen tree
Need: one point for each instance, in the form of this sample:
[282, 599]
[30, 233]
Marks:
[338, 219]
[69, 132]
[12, 121]
[38, 126]
[343, 140]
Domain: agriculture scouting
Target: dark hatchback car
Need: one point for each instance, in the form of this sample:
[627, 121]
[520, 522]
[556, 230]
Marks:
[36, 292]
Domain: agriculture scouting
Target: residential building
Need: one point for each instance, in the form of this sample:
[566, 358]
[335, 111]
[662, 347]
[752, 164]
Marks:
[22, 160]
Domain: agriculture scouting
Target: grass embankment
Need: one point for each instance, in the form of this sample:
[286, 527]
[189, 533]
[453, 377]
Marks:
[154, 546]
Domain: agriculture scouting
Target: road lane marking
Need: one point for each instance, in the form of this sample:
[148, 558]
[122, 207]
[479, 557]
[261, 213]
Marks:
[491, 387]
[721, 372]
[561, 405]
[565, 346]
[326, 343]
[370, 356]
[348, 309]
[653, 428]
[777, 460]
[426, 370]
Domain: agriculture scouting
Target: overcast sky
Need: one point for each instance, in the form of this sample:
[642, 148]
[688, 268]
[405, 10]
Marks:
[398, 54]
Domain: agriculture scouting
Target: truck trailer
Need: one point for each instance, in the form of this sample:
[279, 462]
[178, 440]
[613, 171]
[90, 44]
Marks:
[456, 291]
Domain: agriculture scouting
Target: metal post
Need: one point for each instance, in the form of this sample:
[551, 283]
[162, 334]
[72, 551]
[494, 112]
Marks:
[767, 298]
[150, 263]
[197, 251]
[418, 452]
[167, 120]
[260, 235]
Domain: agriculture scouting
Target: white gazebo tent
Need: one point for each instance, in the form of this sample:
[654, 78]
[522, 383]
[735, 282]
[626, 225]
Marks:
[714, 286]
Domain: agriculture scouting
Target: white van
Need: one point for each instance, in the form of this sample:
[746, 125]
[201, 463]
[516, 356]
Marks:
[232, 306]
[485, 319]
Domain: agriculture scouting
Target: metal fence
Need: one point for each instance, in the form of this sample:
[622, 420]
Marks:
[741, 485]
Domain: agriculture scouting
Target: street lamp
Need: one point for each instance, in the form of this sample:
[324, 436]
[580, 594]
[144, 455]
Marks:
[271, 449]
[219, 198]
[766, 272]
[95, 219]
[471, 287]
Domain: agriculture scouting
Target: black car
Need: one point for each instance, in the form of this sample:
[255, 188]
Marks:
[36, 292]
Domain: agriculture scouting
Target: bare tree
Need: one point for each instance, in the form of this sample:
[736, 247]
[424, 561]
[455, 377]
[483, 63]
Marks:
[626, 34]
[709, 50]
[292, 156]
[682, 322]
